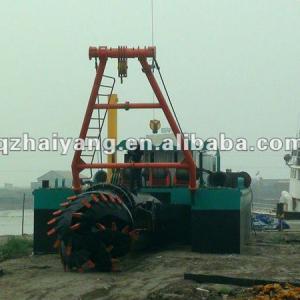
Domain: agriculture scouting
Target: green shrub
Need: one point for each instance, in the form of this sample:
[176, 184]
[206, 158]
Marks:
[15, 247]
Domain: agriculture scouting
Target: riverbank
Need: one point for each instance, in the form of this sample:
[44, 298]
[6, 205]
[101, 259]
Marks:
[156, 275]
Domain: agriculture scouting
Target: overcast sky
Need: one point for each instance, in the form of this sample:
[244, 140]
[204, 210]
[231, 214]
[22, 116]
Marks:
[230, 66]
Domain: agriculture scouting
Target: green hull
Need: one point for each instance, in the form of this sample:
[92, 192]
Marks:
[212, 220]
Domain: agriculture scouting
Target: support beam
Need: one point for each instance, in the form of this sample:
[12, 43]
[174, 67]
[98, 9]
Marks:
[103, 53]
[112, 130]
[86, 123]
[124, 52]
[127, 106]
[187, 154]
[83, 166]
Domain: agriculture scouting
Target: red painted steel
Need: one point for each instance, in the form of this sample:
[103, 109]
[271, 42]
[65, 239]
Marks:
[86, 123]
[128, 106]
[132, 165]
[187, 154]
[103, 53]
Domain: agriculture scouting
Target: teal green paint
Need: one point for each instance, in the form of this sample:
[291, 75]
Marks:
[201, 199]
[217, 199]
[205, 198]
[50, 198]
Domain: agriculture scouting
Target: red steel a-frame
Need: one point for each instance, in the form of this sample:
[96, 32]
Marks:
[103, 54]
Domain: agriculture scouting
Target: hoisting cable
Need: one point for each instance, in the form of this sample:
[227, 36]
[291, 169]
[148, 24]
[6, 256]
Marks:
[152, 40]
[152, 21]
[155, 65]
[168, 96]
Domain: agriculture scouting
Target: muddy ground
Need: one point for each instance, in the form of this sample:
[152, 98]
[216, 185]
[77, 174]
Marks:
[156, 275]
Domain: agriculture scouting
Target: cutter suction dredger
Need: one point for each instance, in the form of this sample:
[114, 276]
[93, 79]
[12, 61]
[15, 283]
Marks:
[153, 198]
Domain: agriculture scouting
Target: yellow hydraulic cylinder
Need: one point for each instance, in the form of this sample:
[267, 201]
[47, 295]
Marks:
[112, 131]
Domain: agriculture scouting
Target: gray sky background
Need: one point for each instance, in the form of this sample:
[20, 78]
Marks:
[229, 65]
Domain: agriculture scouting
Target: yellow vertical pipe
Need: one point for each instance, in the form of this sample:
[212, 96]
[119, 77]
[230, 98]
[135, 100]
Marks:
[112, 131]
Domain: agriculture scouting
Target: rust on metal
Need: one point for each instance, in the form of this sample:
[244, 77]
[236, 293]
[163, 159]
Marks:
[121, 52]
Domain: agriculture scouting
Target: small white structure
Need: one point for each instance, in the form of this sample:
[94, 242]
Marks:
[294, 188]
[61, 178]
[292, 199]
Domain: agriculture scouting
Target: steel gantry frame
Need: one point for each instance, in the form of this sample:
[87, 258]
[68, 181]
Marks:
[142, 54]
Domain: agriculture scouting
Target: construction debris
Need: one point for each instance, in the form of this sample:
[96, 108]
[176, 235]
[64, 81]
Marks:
[277, 292]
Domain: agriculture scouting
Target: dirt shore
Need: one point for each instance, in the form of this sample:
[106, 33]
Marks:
[156, 275]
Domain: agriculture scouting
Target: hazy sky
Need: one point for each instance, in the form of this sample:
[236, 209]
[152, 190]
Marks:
[231, 66]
